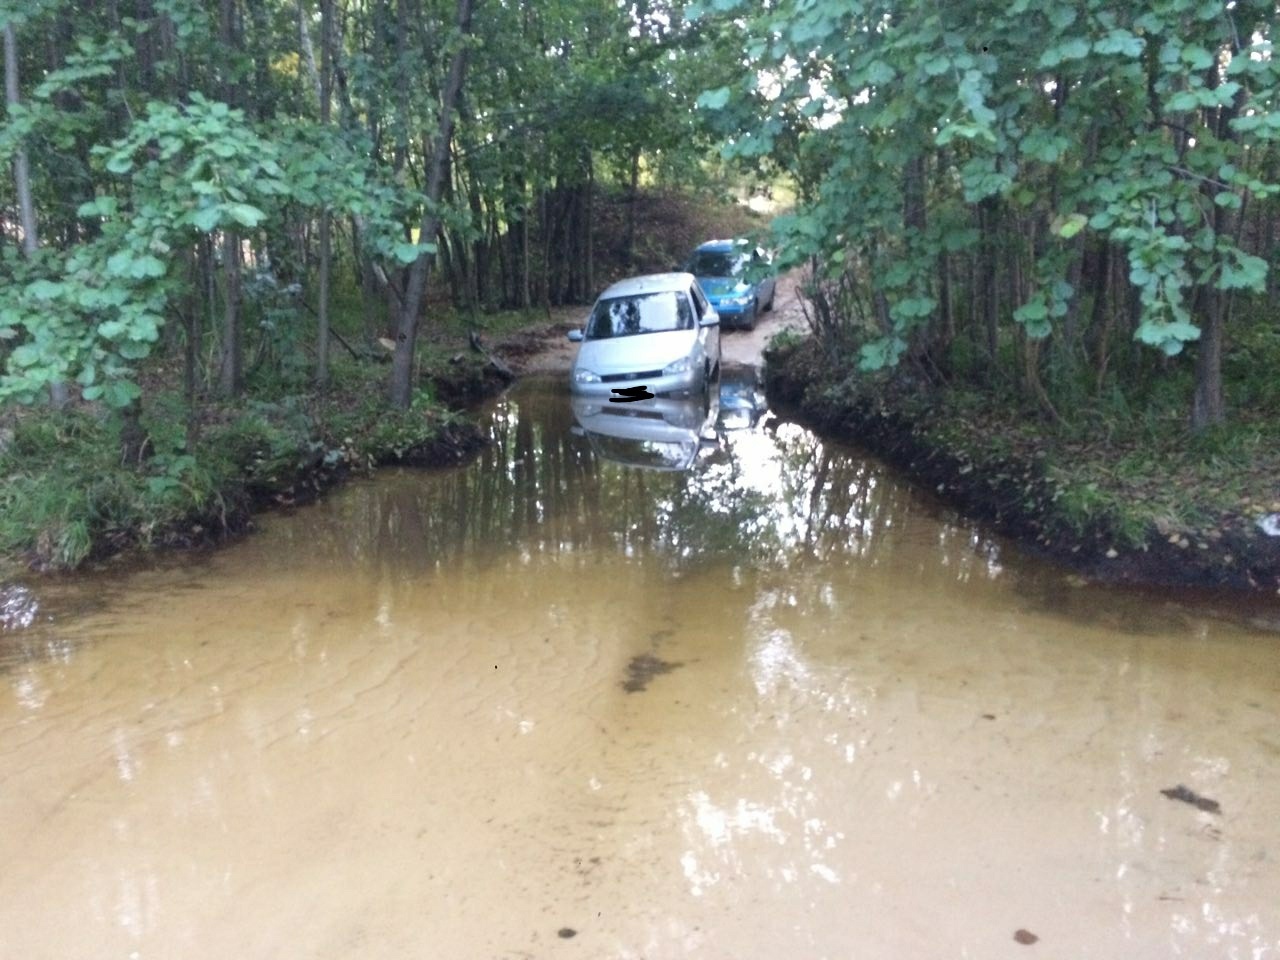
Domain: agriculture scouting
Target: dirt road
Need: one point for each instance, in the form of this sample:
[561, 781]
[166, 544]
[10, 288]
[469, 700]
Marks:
[547, 350]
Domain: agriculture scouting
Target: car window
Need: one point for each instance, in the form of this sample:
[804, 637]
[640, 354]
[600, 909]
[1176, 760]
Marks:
[700, 304]
[642, 313]
[715, 263]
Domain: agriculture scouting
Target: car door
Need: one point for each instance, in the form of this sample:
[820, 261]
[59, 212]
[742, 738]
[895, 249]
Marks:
[764, 264]
[709, 335]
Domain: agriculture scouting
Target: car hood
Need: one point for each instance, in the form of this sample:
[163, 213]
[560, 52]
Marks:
[723, 286]
[658, 418]
[640, 353]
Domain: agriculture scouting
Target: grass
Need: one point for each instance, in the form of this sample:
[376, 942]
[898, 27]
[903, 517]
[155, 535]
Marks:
[1124, 473]
[66, 497]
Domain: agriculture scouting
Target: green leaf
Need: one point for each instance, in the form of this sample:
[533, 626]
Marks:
[1074, 49]
[26, 355]
[881, 353]
[98, 207]
[1167, 336]
[146, 266]
[409, 252]
[1068, 227]
[245, 214]
[1120, 42]
[935, 66]
[1182, 101]
[1035, 310]
[119, 263]
[120, 393]
[1197, 57]
[1246, 273]
[206, 218]
[45, 289]
[880, 73]
[714, 99]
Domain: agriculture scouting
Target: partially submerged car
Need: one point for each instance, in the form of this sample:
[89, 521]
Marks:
[656, 434]
[653, 335]
[737, 278]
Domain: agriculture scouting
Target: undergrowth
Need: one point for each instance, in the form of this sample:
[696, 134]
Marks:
[66, 495]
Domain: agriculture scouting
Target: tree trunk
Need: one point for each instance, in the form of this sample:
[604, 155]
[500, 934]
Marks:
[22, 183]
[990, 285]
[232, 371]
[308, 52]
[588, 235]
[1208, 407]
[231, 374]
[526, 300]
[190, 353]
[407, 332]
[230, 36]
[326, 84]
[21, 172]
[633, 196]
[134, 443]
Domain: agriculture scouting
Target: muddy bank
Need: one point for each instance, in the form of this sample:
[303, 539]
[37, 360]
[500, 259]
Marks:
[68, 498]
[1018, 492]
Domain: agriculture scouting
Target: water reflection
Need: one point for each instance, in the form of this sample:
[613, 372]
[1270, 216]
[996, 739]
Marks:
[764, 492]
[853, 708]
[660, 433]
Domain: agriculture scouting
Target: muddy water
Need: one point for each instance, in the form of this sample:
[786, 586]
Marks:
[549, 706]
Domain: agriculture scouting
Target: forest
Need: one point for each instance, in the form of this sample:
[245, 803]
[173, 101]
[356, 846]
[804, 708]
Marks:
[223, 214]
[1063, 200]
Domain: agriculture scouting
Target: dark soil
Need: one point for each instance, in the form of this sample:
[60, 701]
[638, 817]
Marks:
[465, 380]
[1013, 491]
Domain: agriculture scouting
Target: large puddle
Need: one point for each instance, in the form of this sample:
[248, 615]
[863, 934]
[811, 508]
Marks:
[776, 705]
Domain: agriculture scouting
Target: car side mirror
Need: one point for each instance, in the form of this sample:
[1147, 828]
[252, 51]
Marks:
[710, 319]
[575, 335]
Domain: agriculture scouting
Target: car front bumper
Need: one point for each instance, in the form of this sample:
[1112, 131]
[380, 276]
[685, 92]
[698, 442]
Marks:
[733, 315]
[660, 385]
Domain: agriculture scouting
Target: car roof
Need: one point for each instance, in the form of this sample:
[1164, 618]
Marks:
[722, 246]
[650, 283]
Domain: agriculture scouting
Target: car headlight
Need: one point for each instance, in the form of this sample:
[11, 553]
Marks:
[736, 301]
[585, 376]
[683, 365]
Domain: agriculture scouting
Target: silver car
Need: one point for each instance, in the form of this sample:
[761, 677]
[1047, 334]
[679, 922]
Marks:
[656, 434]
[648, 336]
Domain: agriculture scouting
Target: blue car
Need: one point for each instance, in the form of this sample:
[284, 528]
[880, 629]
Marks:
[737, 278]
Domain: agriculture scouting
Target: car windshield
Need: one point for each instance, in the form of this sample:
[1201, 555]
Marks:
[716, 263]
[642, 313]
[653, 454]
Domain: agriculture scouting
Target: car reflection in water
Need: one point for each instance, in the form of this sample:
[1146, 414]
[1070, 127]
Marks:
[742, 399]
[662, 433]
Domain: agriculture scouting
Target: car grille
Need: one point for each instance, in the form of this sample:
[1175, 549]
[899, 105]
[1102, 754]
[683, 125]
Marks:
[640, 375]
[634, 414]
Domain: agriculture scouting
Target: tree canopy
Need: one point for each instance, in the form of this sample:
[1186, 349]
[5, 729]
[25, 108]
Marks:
[1047, 179]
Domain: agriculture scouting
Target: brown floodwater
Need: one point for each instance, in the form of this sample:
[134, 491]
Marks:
[547, 705]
